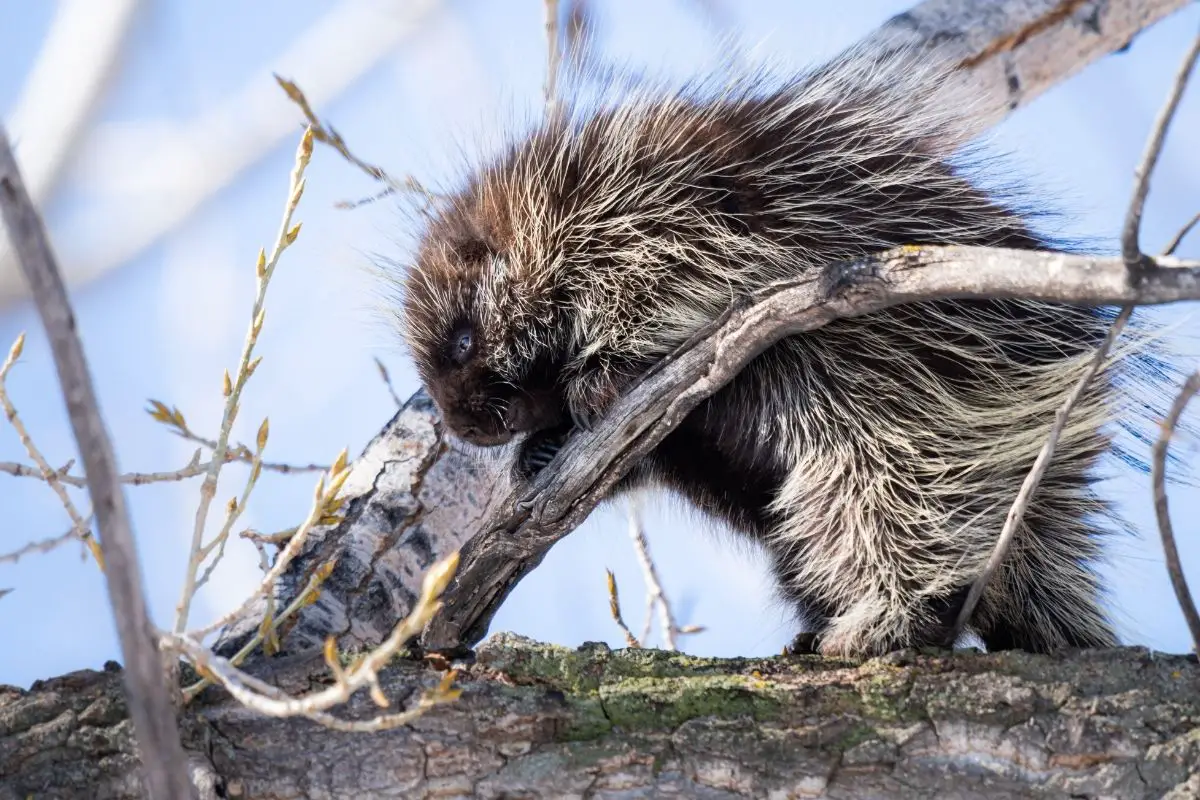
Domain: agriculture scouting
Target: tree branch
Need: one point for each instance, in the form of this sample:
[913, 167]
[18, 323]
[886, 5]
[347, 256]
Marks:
[153, 714]
[1158, 474]
[539, 721]
[1013, 52]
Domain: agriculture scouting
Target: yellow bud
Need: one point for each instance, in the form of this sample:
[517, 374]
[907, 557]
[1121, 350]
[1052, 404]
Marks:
[293, 91]
[263, 431]
[439, 575]
[296, 195]
[325, 570]
[158, 411]
[253, 365]
[15, 352]
[94, 546]
[378, 696]
[292, 234]
[232, 505]
[339, 463]
[226, 385]
[255, 471]
[331, 658]
[261, 268]
[259, 320]
[447, 680]
[306, 144]
[336, 484]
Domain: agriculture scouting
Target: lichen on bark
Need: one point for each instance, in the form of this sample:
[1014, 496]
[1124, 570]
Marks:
[539, 720]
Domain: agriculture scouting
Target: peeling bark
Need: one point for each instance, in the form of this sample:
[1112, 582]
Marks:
[542, 721]
[411, 500]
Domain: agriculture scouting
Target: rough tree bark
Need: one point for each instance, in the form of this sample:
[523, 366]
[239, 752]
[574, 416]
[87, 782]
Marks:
[537, 721]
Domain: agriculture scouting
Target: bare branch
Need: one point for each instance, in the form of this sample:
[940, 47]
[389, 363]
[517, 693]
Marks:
[165, 767]
[1010, 53]
[264, 271]
[614, 608]
[194, 469]
[387, 380]
[325, 134]
[1130, 247]
[1177, 240]
[655, 596]
[46, 472]
[1158, 470]
[42, 546]
[538, 514]
[553, 55]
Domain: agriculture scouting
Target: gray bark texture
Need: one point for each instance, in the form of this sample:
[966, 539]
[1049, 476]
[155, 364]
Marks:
[539, 721]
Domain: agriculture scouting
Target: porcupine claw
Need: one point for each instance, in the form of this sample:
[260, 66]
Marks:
[582, 420]
[540, 449]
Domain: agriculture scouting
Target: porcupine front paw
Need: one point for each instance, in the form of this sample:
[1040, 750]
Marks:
[540, 448]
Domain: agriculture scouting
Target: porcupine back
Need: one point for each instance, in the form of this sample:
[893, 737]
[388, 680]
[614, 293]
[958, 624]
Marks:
[875, 458]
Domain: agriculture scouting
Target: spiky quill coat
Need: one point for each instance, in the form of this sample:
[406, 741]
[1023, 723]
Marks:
[874, 459]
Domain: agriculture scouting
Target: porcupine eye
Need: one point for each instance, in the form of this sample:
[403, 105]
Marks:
[462, 345]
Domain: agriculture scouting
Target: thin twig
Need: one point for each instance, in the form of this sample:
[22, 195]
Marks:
[173, 418]
[614, 608]
[325, 134]
[655, 596]
[46, 472]
[1173, 245]
[43, 546]
[235, 508]
[363, 673]
[148, 698]
[1130, 247]
[553, 56]
[1158, 477]
[325, 501]
[387, 379]
[193, 470]
[264, 271]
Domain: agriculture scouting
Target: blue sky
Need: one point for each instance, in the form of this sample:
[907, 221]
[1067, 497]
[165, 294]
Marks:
[171, 318]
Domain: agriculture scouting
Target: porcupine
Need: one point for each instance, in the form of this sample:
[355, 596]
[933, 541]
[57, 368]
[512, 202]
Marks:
[875, 458]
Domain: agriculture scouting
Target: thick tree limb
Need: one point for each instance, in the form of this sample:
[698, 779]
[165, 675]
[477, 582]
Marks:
[1011, 52]
[410, 501]
[537, 721]
[152, 711]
